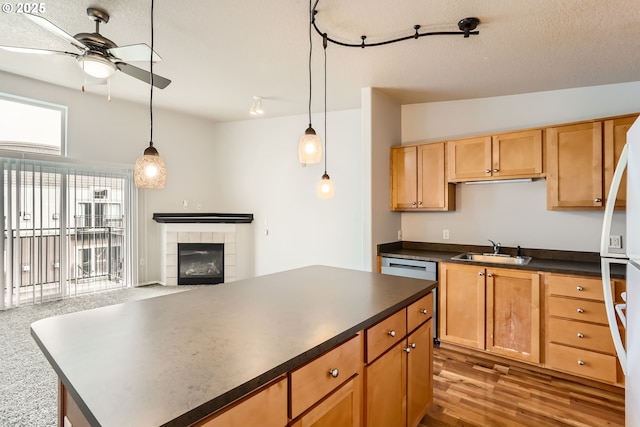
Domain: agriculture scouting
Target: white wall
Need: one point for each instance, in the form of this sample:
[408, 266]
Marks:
[256, 170]
[512, 213]
[381, 121]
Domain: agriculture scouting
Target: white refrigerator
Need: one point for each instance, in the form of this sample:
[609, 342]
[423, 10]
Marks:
[628, 349]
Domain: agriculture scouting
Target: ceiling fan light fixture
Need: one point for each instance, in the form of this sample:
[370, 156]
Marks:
[97, 66]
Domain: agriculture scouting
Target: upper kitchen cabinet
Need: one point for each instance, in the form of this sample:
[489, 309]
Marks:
[615, 136]
[581, 159]
[418, 178]
[505, 156]
[574, 166]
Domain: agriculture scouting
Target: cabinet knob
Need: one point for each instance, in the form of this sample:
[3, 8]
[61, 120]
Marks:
[419, 202]
[334, 372]
[489, 274]
[407, 350]
[580, 288]
[487, 171]
[580, 310]
[413, 203]
[580, 335]
[597, 200]
[481, 274]
[424, 311]
[412, 345]
[580, 362]
[496, 170]
[392, 333]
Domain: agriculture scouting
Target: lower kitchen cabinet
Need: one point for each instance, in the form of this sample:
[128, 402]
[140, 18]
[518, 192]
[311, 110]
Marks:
[399, 383]
[492, 309]
[578, 340]
[341, 408]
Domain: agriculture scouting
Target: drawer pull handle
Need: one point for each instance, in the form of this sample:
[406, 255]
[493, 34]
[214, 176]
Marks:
[580, 362]
[407, 350]
[334, 372]
[580, 335]
[392, 333]
[424, 311]
[580, 310]
[580, 288]
[412, 345]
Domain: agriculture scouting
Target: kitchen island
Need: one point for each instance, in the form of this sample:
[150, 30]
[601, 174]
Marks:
[176, 359]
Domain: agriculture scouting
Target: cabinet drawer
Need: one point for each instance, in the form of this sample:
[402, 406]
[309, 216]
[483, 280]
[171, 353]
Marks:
[313, 381]
[576, 287]
[266, 408]
[588, 311]
[420, 311]
[582, 362]
[579, 334]
[386, 333]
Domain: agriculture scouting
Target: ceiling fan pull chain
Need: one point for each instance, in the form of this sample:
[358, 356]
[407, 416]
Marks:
[109, 89]
[84, 78]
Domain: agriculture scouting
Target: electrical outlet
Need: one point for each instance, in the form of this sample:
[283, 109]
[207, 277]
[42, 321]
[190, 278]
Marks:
[399, 234]
[445, 234]
[185, 204]
[615, 242]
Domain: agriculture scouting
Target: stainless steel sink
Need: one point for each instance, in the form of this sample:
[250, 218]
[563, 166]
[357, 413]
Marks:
[493, 258]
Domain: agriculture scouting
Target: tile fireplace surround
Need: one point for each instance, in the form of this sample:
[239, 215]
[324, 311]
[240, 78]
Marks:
[234, 231]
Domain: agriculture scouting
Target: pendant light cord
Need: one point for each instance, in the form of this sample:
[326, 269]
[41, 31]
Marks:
[151, 72]
[311, 12]
[324, 45]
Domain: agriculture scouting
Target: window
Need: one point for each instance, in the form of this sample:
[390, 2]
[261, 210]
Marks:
[32, 126]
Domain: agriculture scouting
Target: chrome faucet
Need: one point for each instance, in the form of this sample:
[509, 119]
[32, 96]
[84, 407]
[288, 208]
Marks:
[496, 247]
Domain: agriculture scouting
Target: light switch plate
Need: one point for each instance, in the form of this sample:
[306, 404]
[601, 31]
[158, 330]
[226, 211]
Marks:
[615, 242]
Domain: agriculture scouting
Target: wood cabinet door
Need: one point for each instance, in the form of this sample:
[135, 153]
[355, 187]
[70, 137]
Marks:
[462, 305]
[469, 159]
[615, 136]
[419, 373]
[517, 155]
[404, 178]
[341, 408]
[386, 388]
[513, 314]
[434, 192]
[574, 166]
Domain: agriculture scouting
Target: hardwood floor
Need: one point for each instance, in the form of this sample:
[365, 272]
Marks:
[473, 392]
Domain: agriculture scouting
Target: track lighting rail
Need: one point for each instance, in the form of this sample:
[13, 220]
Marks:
[467, 27]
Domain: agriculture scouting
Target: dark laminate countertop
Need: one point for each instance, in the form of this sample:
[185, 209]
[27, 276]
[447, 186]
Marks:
[171, 360]
[553, 261]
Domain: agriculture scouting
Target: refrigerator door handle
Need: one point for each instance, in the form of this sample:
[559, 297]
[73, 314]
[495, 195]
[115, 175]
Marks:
[611, 311]
[611, 203]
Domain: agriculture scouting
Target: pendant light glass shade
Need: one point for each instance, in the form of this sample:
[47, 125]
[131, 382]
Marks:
[150, 170]
[309, 147]
[325, 187]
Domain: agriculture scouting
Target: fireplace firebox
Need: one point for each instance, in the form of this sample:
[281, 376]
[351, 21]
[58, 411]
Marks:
[200, 263]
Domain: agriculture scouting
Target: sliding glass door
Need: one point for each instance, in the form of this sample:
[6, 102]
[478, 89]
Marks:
[67, 230]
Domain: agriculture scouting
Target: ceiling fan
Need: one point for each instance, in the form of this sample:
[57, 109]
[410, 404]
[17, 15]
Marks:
[99, 57]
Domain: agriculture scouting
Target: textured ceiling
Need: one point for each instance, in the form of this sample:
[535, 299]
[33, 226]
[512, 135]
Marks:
[221, 53]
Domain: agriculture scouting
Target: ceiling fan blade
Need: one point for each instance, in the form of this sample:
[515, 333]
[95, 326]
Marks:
[38, 51]
[143, 75]
[51, 27]
[134, 52]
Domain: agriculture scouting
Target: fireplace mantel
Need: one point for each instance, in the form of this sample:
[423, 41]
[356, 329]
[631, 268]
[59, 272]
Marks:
[207, 218]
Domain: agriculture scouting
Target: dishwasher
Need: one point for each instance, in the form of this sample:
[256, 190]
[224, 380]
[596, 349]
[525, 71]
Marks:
[417, 269]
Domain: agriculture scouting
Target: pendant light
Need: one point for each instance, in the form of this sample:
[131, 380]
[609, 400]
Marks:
[310, 146]
[325, 186]
[150, 170]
